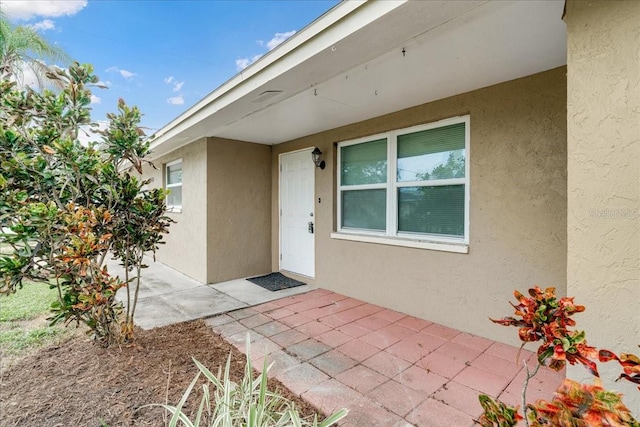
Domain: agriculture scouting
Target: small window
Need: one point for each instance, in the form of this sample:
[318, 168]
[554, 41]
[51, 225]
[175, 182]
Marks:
[173, 183]
[409, 184]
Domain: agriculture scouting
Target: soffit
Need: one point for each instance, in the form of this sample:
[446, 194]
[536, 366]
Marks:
[361, 72]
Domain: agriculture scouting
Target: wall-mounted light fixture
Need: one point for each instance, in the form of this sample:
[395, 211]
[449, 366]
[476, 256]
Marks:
[315, 155]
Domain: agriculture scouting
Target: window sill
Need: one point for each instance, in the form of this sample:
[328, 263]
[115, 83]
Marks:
[460, 248]
[174, 209]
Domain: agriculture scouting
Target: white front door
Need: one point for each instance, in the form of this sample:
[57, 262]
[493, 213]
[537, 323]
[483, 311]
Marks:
[297, 235]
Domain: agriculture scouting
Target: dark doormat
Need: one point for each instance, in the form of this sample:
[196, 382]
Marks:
[275, 282]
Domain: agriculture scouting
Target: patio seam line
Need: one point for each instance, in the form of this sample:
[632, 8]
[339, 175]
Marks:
[245, 305]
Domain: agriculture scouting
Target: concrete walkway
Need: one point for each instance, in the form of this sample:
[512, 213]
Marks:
[387, 368]
[167, 296]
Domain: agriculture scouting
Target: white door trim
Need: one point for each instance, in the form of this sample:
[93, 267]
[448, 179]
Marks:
[280, 207]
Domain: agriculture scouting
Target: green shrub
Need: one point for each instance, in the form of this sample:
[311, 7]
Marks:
[66, 205]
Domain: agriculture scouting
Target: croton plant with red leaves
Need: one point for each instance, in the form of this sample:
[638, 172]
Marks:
[543, 317]
[576, 404]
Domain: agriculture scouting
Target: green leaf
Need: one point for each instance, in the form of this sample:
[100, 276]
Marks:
[334, 418]
[21, 196]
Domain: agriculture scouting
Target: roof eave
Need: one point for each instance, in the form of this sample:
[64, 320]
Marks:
[255, 75]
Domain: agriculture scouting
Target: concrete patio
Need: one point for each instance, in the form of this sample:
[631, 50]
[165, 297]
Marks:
[167, 296]
[387, 368]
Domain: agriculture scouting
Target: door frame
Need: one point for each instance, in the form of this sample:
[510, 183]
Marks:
[280, 157]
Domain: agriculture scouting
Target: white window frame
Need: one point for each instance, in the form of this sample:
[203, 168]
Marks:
[172, 208]
[391, 236]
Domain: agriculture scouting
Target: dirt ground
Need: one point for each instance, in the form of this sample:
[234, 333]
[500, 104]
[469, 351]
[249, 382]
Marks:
[78, 383]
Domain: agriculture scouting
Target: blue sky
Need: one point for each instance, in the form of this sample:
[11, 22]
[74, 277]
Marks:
[162, 55]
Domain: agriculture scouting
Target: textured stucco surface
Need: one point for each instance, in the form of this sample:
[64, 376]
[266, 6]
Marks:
[517, 211]
[603, 265]
[239, 208]
[185, 248]
[224, 229]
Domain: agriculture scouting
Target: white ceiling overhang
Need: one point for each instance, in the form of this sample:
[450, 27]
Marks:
[364, 59]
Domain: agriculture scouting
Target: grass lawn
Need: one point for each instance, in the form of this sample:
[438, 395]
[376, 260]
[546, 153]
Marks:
[23, 324]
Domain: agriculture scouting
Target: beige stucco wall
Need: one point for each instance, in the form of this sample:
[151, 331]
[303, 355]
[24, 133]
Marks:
[185, 248]
[239, 209]
[603, 265]
[517, 211]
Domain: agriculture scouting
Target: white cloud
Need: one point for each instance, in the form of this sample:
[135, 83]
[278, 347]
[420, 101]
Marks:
[88, 133]
[176, 100]
[172, 81]
[95, 99]
[44, 25]
[124, 73]
[243, 63]
[27, 9]
[127, 74]
[278, 39]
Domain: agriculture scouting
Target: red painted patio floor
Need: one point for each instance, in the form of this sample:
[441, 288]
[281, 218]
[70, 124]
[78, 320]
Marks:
[387, 368]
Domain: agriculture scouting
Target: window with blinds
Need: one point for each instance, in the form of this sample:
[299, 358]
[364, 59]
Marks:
[411, 183]
[363, 177]
[173, 183]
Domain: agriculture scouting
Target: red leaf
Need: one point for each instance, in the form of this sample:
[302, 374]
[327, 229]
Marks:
[506, 321]
[627, 359]
[521, 298]
[589, 364]
[633, 379]
[557, 365]
[606, 356]
[528, 335]
[535, 291]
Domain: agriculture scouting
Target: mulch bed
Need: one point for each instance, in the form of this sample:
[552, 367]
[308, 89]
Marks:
[78, 383]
